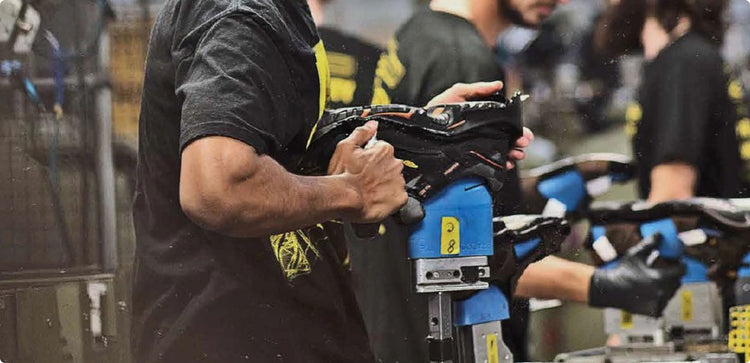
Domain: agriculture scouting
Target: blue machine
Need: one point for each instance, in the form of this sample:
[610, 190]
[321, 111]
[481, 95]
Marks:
[460, 217]
[450, 248]
[697, 293]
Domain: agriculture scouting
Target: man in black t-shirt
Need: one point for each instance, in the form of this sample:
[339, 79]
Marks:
[232, 263]
[432, 51]
[351, 60]
[685, 124]
[226, 269]
[452, 42]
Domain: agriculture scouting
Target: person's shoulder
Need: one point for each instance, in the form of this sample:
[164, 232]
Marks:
[434, 28]
[442, 37]
[695, 51]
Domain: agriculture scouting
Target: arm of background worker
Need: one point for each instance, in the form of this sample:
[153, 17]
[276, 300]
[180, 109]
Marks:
[462, 92]
[675, 180]
[226, 187]
[556, 278]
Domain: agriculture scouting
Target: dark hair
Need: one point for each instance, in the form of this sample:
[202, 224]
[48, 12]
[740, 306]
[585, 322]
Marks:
[706, 16]
[619, 28]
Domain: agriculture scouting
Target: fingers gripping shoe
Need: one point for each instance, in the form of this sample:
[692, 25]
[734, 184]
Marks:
[438, 144]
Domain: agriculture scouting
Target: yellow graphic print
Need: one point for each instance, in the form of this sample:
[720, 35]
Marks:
[736, 93]
[735, 90]
[293, 250]
[389, 73]
[324, 78]
[343, 69]
[633, 115]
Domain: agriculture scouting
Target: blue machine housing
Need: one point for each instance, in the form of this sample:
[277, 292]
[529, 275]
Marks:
[569, 188]
[744, 271]
[469, 202]
[483, 307]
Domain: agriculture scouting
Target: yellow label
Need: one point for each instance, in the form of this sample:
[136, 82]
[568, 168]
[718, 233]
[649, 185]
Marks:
[626, 321]
[450, 239]
[492, 353]
[411, 164]
[686, 304]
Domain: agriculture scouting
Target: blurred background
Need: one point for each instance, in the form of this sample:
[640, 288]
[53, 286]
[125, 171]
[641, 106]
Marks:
[68, 153]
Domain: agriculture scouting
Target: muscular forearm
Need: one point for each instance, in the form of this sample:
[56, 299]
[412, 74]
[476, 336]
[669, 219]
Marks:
[241, 194]
[556, 278]
[670, 181]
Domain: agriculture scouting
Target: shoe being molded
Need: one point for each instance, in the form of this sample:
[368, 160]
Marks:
[715, 232]
[438, 144]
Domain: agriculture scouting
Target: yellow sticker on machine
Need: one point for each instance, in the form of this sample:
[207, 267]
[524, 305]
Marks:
[626, 322]
[492, 352]
[686, 305]
[450, 238]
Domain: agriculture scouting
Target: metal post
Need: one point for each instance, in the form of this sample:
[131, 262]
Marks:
[105, 171]
[440, 341]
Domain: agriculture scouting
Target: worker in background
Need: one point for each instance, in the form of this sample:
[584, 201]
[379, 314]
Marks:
[452, 42]
[352, 62]
[685, 125]
[232, 262]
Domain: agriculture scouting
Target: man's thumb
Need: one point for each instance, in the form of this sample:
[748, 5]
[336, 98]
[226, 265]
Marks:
[361, 135]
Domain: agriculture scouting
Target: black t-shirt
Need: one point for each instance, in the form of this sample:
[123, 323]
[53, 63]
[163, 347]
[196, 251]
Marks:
[254, 71]
[352, 62]
[430, 53]
[686, 116]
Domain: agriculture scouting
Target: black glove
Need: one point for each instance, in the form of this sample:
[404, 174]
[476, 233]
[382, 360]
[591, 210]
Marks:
[635, 285]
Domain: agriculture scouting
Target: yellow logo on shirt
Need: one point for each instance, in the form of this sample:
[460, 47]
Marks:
[633, 115]
[292, 251]
[324, 75]
[343, 71]
[389, 73]
[324, 78]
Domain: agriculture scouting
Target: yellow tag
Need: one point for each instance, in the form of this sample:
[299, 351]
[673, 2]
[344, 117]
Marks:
[411, 164]
[686, 302]
[492, 354]
[450, 239]
[626, 320]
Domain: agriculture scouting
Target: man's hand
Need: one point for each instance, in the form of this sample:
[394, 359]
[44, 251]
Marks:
[373, 172]
[635, 285]
[462, 92]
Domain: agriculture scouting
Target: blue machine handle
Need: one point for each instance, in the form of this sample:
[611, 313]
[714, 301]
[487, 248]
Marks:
[671, 246]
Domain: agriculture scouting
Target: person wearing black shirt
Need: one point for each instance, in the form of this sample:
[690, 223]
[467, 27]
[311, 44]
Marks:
[449, 43]
[226, 269]
[351, 60]
[232, 262]
[684, 124]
